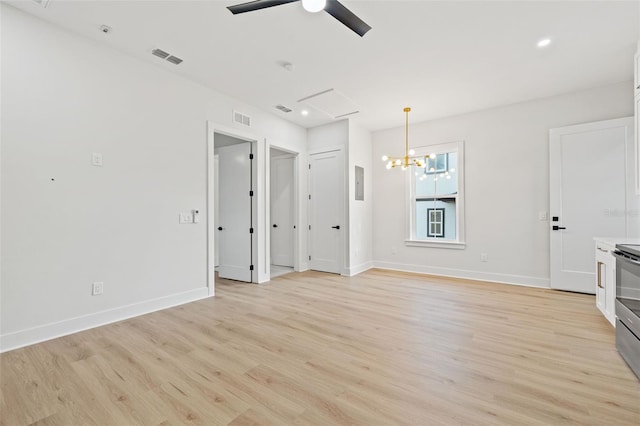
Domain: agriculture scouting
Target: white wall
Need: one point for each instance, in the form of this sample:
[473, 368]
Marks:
[507, 185]
[357, 146]
[323, 138]
[63, 98]
[360, 212]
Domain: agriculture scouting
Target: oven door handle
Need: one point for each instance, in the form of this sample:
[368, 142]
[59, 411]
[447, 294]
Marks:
[621, 256]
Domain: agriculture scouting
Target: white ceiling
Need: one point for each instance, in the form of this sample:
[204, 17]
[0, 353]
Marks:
[441, 58]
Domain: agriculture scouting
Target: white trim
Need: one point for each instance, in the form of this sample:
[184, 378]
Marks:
[295, 155]
[211, 274]
[261, 263]
[410, 213]
[54, 330]
[446, 244]
[355, 270]
[521, 280]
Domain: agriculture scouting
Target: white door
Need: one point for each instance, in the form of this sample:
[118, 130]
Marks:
[587, 197]
[234, 207]
[326, 190]
[282, 220]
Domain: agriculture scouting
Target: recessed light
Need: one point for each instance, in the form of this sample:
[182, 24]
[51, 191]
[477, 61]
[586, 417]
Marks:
[304, 112]
[544, 42]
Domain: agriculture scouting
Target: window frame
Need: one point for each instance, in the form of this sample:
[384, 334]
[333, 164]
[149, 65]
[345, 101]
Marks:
[440, 211]
[439, 242]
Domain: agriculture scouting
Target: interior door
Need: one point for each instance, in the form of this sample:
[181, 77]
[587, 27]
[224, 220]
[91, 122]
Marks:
[234, 208]
[326, 190]
[282, 220]
[587, 197]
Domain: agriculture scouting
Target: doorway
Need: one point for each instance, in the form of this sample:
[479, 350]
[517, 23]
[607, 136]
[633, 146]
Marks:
[234, 209]
[282, 211]
[326, 211]
[588, 197]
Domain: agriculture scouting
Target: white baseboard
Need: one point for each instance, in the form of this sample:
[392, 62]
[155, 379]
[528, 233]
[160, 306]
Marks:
[469, 275]
[54, 330]
[355, 270]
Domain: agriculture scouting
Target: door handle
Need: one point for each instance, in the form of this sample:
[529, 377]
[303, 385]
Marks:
[556, 227]
[336, 227]
[275, 226]
[219, 228]
[600, 274]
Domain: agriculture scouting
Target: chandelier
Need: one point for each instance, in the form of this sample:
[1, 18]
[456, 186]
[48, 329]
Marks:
[409, 158]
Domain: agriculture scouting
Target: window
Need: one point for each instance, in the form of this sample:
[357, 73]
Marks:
[435, 225]
[437, 198]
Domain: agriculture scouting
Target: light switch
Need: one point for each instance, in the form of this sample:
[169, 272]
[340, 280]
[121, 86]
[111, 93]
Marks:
[196, 216]
[96, 159]
[186, 218]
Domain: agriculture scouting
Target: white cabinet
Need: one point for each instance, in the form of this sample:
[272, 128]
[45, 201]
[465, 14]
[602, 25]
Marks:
[606, 280]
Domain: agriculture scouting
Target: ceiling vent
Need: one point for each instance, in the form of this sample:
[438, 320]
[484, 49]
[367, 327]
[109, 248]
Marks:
[241, 118]
[174, 60]
[165, 55]
[43, 3]
[160, 53]
[283, 108]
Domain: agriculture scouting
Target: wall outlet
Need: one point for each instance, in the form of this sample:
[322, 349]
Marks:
[484, 257]
[96, 159]
[97, 288]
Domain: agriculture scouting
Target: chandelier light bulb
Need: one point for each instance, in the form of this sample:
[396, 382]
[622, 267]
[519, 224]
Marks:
[388, 166]
[398, 162]
[385, 158]
[412, 152]
[452, 170]
[314, 6]
[432, 156]
[448, 177]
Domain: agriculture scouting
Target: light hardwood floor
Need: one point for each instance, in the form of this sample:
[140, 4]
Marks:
[381, 348]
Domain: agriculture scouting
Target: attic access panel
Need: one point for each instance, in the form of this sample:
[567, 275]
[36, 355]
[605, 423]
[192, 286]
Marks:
[331, 102]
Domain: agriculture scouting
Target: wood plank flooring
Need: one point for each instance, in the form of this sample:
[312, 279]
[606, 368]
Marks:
[381, 348]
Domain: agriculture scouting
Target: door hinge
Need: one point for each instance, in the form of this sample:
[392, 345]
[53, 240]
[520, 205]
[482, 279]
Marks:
[250, 156]
[251, 267]
[309, 227]
[309, 257]
[250, 193]
[309, 196]
[309, 166]
[251, 230]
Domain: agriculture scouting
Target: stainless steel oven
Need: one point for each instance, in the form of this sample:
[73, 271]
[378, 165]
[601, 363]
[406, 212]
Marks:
[628, 304]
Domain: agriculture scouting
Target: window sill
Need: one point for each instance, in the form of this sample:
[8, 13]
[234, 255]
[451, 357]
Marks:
[457, 245]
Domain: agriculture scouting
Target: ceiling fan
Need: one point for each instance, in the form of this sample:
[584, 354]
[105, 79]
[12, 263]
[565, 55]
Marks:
[332, 7]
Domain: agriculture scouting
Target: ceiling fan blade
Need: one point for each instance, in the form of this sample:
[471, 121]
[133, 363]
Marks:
[257, 5]
[348, 18]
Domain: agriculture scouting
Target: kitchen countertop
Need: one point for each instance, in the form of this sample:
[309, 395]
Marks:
[617, 240]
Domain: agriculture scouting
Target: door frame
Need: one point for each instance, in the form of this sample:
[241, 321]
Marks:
[296, 206]
[258, 150]
[555, 197]
[344, 201]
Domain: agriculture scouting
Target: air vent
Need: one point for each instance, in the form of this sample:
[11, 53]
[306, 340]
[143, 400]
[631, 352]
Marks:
[241, 118]
[43, 3]
[283, 108]
[165, 55]
[160, 53]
